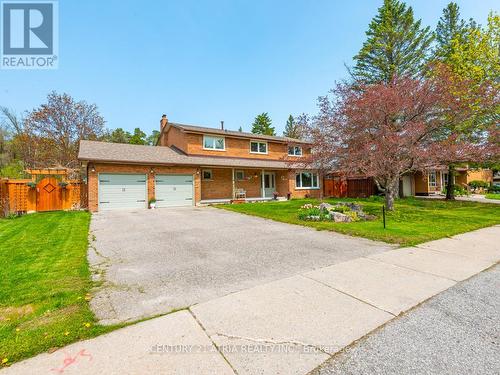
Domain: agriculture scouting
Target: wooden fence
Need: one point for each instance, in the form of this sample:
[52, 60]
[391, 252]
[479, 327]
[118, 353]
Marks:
[22, 196]
[360, 187]
[340, 187]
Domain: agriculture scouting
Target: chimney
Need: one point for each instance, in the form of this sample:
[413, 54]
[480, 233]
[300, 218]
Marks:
[163, 122]
[222, 125]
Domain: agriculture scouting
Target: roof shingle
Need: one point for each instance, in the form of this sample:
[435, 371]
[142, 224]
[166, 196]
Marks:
[202, 129]
[162, 155]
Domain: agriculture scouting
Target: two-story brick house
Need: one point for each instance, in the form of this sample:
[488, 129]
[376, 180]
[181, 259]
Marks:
[194, 165]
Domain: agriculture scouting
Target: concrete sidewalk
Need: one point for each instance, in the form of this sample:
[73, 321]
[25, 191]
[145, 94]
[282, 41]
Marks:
[289, 326]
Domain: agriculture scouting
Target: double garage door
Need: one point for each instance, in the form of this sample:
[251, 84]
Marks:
[117, 191]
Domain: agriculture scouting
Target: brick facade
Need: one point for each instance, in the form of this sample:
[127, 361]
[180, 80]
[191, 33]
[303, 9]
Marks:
[192, 144]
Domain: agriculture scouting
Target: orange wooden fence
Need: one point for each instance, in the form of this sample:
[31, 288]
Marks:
[17, 196]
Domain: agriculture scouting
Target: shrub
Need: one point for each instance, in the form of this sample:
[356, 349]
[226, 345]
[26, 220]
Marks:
[478, 184]
[341, 209]
[353, 215]
[307, 211]
[458, 190]
[494, 189]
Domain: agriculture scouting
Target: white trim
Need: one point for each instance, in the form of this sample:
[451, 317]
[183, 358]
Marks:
[215, 137]
[257, 152]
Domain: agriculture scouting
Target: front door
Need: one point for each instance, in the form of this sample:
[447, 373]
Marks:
[269, 184]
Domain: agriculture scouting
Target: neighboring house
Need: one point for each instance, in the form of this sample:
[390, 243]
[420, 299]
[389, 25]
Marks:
[195, 165]
[435, 180]
[496, 178]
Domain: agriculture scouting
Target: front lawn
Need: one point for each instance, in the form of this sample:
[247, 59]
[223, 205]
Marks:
[44, 284]
[492, 196]
[413, 221]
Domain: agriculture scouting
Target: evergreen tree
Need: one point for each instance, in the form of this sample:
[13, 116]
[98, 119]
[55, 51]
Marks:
[450, 30]
[118, 135]
[396, 45]
[138, 138]
[262, 125]
[153, 138]
[471, 53]
[291, 129]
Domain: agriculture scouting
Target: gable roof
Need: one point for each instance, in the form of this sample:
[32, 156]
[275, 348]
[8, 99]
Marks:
[107, 152]
[233, 133]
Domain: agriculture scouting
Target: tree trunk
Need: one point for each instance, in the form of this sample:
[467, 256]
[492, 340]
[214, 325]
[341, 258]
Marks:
[391, 192]
[450, 191]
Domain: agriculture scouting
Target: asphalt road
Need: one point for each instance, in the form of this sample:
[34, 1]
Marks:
[456, 332]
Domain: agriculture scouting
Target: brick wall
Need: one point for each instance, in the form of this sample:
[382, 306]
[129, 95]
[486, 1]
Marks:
[236, 147]
[480, 174]
[93, 185]
[174, 137]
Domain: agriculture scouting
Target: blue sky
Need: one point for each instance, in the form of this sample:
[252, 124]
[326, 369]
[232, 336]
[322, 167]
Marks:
[205, 61]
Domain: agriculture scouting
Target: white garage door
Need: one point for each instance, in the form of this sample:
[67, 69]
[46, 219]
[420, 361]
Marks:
[118, 191]
[174, 190]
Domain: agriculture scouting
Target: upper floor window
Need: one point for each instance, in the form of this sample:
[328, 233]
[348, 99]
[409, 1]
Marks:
[257, 147]
[294, 150]
[214, 143]
[306, 180]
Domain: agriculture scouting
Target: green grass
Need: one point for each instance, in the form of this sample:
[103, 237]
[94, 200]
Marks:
[44, 284]
[413, 221]
[492, 196]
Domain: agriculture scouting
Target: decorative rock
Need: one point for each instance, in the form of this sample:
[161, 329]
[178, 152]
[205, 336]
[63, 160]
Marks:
[325, 206]
[340, 218]
[314, 218]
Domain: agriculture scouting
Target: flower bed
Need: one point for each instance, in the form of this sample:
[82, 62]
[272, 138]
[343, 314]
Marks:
[345, 212]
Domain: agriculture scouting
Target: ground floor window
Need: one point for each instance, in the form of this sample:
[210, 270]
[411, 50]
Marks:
[432, 179]
[239, 175]
[206, 174]
[306, 180]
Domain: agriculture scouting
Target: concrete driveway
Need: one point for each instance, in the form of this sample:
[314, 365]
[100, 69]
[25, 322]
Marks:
[154, 261]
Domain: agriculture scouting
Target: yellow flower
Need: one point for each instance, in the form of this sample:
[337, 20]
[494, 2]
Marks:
[87, 325]
[17, 329]
[5, 360]
[66, 333]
